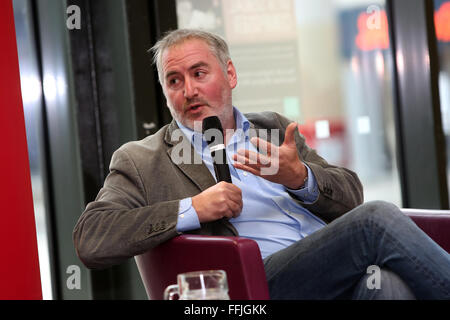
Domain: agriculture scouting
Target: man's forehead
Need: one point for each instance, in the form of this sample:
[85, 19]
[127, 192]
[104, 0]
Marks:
[192, 51]
[186, 45]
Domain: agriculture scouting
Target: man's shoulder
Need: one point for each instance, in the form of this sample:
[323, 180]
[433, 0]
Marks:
[153, 144]
[267, 119]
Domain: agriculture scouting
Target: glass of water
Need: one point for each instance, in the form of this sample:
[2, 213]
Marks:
[199, 285]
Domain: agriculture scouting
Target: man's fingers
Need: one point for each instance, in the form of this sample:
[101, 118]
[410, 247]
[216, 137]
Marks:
[263, 146]
[230, 192]
[244, 156]
[235, 209]
[221, 200]
[233, 206]
[252, 158]
[235, 198]
[256, 172]
[289, 135]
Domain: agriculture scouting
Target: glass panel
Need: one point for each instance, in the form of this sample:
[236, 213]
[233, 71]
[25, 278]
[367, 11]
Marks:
[442, 24]
[33, 111]
[325, 64]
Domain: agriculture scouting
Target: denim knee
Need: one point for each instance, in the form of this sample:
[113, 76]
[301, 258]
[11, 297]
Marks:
[382, 212]
[390, 287]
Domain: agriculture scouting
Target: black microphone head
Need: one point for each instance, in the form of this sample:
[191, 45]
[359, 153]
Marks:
[212, 122]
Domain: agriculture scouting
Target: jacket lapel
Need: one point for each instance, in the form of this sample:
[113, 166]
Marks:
[193, 168]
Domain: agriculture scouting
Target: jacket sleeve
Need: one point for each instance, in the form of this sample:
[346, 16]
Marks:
[120, 224]
[340, 189]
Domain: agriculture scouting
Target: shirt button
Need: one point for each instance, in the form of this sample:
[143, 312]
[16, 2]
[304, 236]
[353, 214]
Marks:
[182, 216]
[245, 174]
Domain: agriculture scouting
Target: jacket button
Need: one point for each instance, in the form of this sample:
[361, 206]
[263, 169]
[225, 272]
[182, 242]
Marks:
[150, 229]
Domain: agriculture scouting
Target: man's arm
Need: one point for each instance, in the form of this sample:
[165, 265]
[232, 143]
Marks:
[339, 188]
[119, 224]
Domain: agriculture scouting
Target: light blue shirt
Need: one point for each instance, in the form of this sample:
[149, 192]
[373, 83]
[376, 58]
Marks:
[269, 215]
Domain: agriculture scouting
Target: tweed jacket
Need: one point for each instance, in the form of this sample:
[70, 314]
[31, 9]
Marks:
[137, 208]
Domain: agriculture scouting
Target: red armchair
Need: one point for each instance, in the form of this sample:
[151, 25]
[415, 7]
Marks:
[241, 259]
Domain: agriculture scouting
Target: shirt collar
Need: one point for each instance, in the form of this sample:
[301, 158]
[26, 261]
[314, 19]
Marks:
[196, 138]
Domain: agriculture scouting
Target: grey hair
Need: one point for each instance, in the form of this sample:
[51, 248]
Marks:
[217, 45]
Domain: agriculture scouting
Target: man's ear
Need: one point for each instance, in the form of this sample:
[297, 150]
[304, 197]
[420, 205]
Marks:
[165, 96]
[231, 74]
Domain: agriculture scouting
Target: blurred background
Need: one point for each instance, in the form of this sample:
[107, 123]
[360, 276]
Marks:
[368, 82]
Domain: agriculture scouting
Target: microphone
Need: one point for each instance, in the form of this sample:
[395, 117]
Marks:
[213, 133]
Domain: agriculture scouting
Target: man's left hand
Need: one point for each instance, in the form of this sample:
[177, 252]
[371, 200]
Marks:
[280, 164]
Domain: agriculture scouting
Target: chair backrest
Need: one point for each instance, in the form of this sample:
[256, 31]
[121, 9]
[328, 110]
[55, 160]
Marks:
[435, 223]
[239, 257]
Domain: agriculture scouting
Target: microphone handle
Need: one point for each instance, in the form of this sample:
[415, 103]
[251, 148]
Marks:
[221, 168]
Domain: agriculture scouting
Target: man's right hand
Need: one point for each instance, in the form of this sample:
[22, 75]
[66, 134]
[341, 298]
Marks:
[223, 200]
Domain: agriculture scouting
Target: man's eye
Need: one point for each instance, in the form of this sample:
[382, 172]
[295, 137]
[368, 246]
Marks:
[173, 81]
[199, 74]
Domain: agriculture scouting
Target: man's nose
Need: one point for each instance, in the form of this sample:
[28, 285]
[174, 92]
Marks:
[190, 88]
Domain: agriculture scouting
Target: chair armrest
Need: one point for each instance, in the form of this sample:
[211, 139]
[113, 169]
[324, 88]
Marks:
[435, 223]
[239, 257]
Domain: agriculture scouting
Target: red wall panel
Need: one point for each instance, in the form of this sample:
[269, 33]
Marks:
[19, 263]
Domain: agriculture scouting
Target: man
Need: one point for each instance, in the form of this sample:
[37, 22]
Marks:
[316, 238]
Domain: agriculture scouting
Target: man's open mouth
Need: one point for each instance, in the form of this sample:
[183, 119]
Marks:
[194, 107]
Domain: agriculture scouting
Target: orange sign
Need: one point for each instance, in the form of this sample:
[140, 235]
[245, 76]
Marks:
[373, 31]
[442, 22]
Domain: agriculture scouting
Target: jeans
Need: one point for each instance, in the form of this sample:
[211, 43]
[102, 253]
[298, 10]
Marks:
[333, 262]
